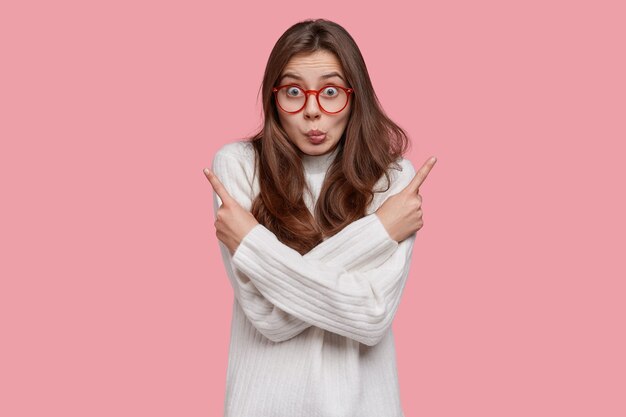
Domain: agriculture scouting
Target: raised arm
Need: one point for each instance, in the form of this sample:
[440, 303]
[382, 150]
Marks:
[356, 304]
[362, 245]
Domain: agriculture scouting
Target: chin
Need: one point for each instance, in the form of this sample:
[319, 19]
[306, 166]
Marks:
[318, 149]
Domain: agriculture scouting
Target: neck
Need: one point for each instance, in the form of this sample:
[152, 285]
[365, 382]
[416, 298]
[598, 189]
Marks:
[319, 163]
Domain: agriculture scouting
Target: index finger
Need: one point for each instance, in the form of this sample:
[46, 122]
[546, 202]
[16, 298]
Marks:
[218, 187]
[421, 175]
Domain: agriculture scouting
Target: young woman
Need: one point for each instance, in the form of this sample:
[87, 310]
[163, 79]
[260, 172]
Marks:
[316, 217]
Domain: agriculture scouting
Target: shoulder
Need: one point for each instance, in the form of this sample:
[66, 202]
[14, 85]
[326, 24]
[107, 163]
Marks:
[233, 164]
[235, 158]
[398, 175]
[407, 170]
[241, 150]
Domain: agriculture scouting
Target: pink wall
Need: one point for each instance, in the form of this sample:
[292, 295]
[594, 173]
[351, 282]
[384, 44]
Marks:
[113, 298]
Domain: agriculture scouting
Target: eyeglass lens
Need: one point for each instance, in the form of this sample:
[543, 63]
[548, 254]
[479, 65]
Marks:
[292, 98]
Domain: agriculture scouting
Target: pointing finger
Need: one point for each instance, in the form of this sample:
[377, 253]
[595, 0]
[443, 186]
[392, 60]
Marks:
[421, 175]
[218, 187]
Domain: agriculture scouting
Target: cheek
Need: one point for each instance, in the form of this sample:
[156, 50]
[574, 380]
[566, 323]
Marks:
[285, 122]
[343, 120]
[345, 114]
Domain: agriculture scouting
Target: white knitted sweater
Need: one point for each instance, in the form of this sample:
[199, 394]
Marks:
[311, 335]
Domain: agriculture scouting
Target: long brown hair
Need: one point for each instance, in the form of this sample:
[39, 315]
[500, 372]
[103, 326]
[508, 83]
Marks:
[370, 143]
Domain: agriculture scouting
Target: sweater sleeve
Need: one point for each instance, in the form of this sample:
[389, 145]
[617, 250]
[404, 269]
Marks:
[359, 304]
[361, 245]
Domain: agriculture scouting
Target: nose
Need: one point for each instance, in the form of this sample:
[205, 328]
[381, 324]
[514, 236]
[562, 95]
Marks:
[311, 108]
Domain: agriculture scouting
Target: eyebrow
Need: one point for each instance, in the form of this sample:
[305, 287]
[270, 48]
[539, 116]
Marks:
[323, 77]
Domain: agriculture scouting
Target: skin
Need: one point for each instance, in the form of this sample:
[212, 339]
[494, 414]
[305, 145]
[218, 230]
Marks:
[310, 68]
[401, 214]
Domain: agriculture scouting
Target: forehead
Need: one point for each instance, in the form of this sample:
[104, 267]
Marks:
[312, 67]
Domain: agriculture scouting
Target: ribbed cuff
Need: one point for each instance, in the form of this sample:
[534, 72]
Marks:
[250, 236]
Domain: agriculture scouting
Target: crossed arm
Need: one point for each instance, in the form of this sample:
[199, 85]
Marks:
[349, 284]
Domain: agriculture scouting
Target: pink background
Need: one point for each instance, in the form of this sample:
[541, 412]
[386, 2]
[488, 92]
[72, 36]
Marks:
[113, 297]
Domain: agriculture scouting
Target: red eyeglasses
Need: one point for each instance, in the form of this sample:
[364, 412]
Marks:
[332, 99]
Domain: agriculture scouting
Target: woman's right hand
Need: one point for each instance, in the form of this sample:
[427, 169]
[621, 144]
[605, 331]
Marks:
[401, 214]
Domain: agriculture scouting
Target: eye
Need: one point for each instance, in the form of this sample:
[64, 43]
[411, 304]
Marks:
[330, 91]
[293, 91]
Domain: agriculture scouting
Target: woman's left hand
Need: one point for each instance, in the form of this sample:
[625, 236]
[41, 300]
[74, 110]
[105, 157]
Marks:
[233, 222]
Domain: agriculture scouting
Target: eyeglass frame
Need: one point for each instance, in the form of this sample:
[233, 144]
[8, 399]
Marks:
[347, 90]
